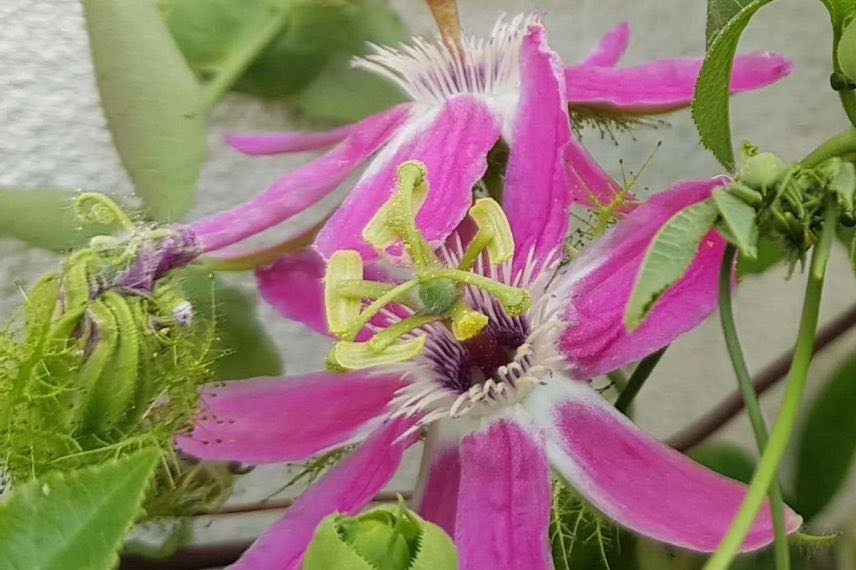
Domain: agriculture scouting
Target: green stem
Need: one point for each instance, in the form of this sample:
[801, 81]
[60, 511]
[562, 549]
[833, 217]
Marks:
[839, 145]
[241, 58]
[765, 473]
[750, 399]
[637, 380]
[848, 101]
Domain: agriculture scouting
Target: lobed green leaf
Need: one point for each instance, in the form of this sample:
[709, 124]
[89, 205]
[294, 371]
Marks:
[738, 217]
[670, 254]
[152, 102]
[726, 21]
[76, 519]
[45, 218]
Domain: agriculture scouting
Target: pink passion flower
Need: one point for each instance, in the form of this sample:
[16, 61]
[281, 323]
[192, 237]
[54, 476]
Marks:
[460, 109]
[483, 346]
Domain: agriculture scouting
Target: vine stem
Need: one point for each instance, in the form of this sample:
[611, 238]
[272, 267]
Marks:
[750, 399]
[241, 58]
[840, 145]
[637, 380]
[765, 473]
[732, 405]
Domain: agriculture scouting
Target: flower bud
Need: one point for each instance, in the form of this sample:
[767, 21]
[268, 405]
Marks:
[762, 171]
[846, 51]
[385, 538]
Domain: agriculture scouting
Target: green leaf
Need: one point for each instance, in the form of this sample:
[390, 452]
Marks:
[152, 102]
[710, 103]
[670, 254]
[843, 183]
[739, 218]
[827, 442]
[719, 13]
[313, 49]
[44, 217]
[770, 253]
[726, 459]
[342, 94]
[76, 519]
[245, 349]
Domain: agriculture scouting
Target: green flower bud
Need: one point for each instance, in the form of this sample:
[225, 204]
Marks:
[385, 538]
[762, 171]
[438, 296]
[846, 51]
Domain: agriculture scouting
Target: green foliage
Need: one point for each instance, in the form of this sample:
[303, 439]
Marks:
[840, 14]
[308, 60]
[152, 102]
[770, 253]
[580, 538]
[75, 519]
[343, 94]
[846, 51]
[242, 347]
[725, 458]
[384, 538]
[670, 254]
[45, 218]
[96, 374]
[738, 219]
[827, 442]
[726, 21]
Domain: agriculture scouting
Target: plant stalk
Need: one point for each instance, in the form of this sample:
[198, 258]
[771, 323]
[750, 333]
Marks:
[750, 398]
[767, 468]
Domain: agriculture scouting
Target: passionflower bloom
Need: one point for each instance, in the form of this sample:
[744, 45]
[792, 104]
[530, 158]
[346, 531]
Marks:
[481, 344]
[466, 112]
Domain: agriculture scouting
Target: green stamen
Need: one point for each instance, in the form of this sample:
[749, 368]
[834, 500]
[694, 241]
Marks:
[348, 355]
[385, 339]
[435, 294]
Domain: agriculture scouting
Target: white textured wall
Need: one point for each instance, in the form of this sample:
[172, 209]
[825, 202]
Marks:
[52, 134]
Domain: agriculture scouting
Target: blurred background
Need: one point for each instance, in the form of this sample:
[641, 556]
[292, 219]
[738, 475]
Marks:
[53, 135]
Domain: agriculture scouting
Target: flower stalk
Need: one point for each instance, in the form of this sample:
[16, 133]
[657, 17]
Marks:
[640, 374]
[750, 399]
[767, 468]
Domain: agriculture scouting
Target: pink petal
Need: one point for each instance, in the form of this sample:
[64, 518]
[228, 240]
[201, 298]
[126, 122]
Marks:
[287, 419]
[298, 141]
[609, 48]
[600, 282]
[436, 493]
[346, 488]
[636, 480]
[293, 286]
[664, 84]
[504, 502]
[453, 146]
[294, 192]
[537, 192]
[279, 143]
[591, 186]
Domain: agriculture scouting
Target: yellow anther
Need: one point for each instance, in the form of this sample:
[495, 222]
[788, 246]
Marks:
[467, 323]
[342, 310]
[348, 355]
[494, 230]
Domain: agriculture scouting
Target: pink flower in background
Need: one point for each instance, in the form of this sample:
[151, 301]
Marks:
[458, 113]
[500, 409]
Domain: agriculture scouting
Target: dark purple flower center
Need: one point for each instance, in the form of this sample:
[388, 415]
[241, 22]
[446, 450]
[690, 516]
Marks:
[462, 365]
